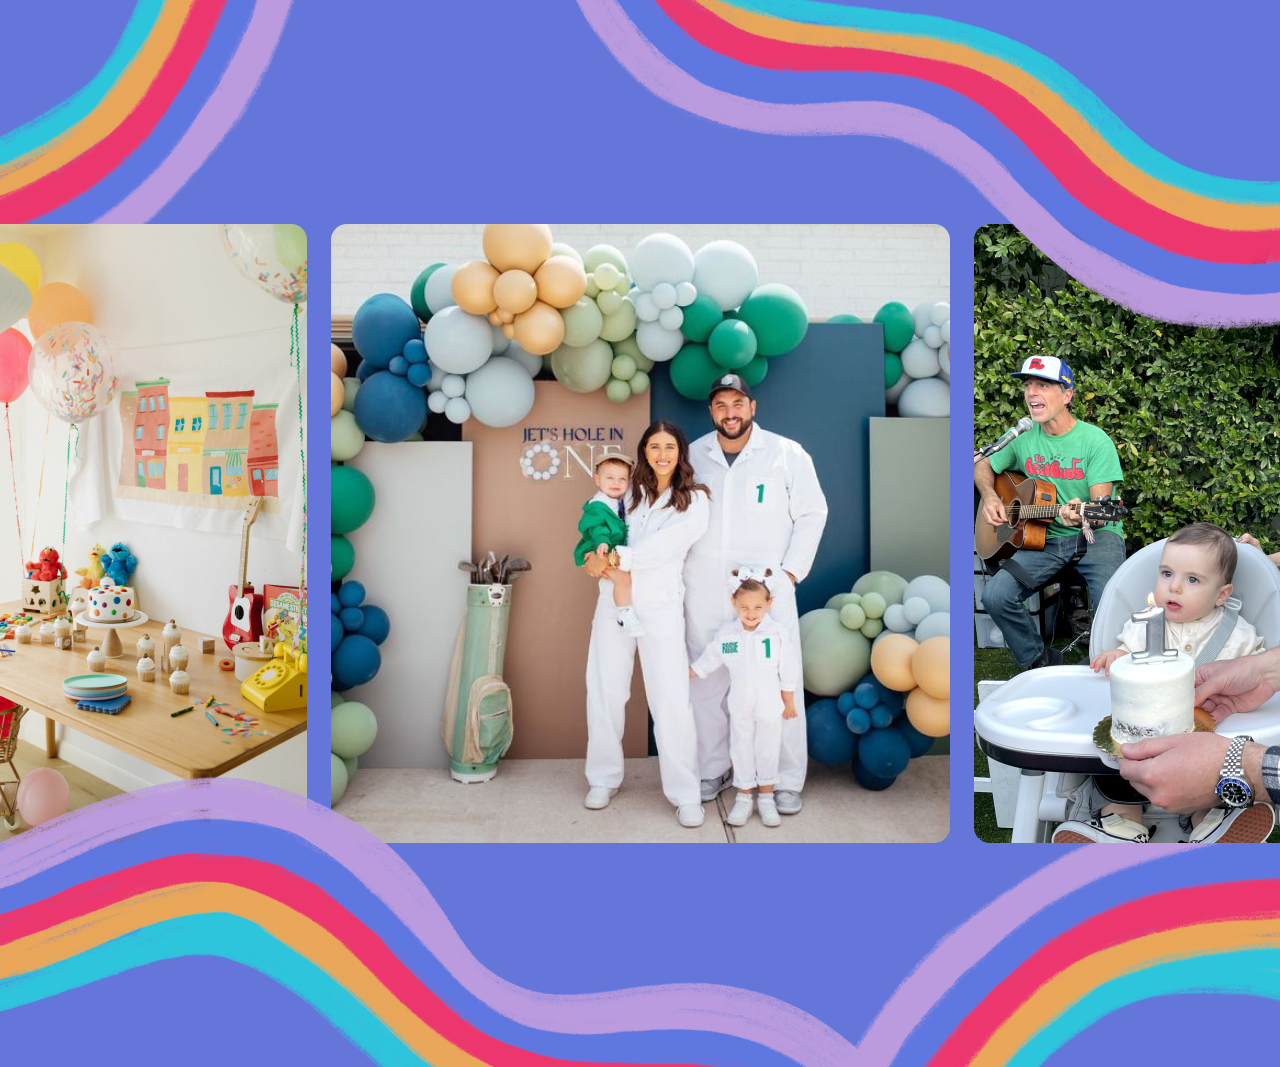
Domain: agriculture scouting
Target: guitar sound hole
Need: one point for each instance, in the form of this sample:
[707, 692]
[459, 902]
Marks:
[1012, 510]
[238, 613]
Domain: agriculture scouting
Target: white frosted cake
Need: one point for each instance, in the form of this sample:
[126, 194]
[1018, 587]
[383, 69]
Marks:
[1152, 699]
[112, 603]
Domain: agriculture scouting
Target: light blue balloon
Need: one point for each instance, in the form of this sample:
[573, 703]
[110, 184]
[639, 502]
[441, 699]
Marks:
[500, 393]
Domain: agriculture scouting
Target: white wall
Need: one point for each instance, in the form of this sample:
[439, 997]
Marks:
[148, 286]
[834, 268]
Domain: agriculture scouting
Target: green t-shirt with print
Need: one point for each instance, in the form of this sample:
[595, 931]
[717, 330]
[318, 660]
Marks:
[1071, 462]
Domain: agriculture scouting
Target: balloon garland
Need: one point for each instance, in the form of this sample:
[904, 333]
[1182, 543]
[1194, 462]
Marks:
[917, 356]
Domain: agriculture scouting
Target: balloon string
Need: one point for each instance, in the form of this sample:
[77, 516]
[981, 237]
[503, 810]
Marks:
[295, 358]
[13, 470]
[67, 488]
[40, 488]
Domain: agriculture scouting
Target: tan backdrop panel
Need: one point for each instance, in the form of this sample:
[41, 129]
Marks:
[517, 515]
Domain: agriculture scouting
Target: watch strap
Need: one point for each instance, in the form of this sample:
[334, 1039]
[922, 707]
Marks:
[1233, 765]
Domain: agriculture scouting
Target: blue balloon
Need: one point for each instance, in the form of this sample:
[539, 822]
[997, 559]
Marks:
[884, 753]
[858, 721]
[918, 743]
[356, 661]
[382, 326]
[830, 741]
[389, 408]
[352, 619]
[867, 694]
[845, 703]
[415, 351]
[335, 605]
[364, 370]
[881, 716]
[419, 374]
[351, 594]
[893, 700]
[336, 633]
[377, 624]
[398, 365]
[868, 780]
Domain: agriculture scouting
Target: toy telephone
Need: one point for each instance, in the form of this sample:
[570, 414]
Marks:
[281, 685]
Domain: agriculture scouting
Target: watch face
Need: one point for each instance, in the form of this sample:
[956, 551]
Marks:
[1235, 791]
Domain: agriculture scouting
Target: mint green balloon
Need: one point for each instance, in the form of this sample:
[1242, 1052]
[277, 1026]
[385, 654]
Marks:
[732, 344]
[600, 254]
[418, 290]
[899, 326]
[892, 369]
[623, 368]
[753, 373]
[342, 557]
[639, 383]
[353, 728]
[609, 302]
[693, 371]
[291, 245]
[337, 778]
[351, 765]
[841, 599]
[618, 391]
[853, 617]
[700, 318]
[582, 370]
[350, 386]
[778, 316]
[559, 248]
[846, 317]
[873, 605]
[582, 323]
[621, 324]
[346, 439]
[872, 628]
[335, 699]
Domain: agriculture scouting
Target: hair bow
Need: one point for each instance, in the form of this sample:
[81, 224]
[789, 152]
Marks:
[738, 575]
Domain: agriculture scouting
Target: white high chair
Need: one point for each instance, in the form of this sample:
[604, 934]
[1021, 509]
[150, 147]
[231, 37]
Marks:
[1042, 721]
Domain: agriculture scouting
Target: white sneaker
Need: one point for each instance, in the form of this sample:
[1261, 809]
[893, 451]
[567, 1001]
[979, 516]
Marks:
[598, 796]
[741, 811]
[713, 787]
[630, 622]
[690, 815]
[1109, 830]
[769, 810]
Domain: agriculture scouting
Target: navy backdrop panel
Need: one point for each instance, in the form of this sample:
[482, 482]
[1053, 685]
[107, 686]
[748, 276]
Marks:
[822, 395]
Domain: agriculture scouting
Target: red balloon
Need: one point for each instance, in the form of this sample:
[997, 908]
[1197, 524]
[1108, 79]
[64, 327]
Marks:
[15, 352]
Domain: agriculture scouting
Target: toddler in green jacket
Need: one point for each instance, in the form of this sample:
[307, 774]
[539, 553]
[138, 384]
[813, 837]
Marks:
[604, 527]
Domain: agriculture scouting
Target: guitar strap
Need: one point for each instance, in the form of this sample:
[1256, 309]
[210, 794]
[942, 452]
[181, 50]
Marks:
[1230, 613]
[1023, 577]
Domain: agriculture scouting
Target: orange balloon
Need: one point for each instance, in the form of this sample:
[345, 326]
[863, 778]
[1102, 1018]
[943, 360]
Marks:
[561, 281]
[929, 715]
[473, 287]
[891, 661]
[509, 331]
[931, 665]
[515, 291]
[55, 303]
[505, 317]
[517, 246]
[336, 395]
[337, 361]
[540, 330]
[495, 319]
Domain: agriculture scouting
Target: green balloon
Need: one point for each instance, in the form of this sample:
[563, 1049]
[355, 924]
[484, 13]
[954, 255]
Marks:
[351, 765]
[559, 248]
[582, 323]
[700, 318]
[623, 368]
[350, 386]
[598, 254]
[585, 369]
[778, 316]
[639, 383]
[892, 369]
[874, 605]
[418, 291]
[346, 439]
[337, 778]
[628, 346]
[693, 371]
[352, 729]
[872, 628]
[618, 391]
[352, 497]
[342, 557]
[899, 326]
[753, 373]
[291, 245]
[335, 699]
[853, 617]
[732, 344]
[844, 318]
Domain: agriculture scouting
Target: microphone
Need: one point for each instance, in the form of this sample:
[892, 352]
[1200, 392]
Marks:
[1022, 426]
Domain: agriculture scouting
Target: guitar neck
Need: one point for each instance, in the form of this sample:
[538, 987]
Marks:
[1045, 511]
[249, 518]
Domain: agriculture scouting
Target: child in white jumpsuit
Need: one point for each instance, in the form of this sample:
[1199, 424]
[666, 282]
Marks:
[764, 673]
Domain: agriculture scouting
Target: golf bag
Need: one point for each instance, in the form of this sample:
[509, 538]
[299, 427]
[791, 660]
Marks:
[476, 725]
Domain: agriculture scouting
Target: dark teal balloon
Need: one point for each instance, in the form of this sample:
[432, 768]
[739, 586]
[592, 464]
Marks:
[417, 292]
[693, 371]
[700, 318]
[884, 753]
[356, 661]
[844, 318]
[389, 407]
[899, 326]
[778, 317]
[732, 345]
[377, 624]
[351, 499]
[342, 557]
[382, 326]
[753, 373]
[892, 369]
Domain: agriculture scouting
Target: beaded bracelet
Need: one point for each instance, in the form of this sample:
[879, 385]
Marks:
[1271, 773]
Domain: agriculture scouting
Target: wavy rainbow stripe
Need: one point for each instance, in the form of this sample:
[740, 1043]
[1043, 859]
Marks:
[318, 905]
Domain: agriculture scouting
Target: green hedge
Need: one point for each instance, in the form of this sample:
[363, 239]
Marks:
[1193, 412]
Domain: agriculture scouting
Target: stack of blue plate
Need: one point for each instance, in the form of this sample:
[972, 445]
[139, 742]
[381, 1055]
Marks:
[95, 686]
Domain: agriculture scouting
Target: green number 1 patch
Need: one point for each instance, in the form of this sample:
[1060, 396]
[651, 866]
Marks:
[768, 652]
[759, 494]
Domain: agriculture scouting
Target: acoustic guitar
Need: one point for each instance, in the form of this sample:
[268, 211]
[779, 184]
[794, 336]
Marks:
[244, 619]
[1031, 505]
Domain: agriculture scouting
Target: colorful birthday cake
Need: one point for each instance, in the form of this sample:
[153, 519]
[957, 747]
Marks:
[1152, 699]
[112, 603]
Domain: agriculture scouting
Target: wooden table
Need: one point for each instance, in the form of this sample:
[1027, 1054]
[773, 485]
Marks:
[188, 746]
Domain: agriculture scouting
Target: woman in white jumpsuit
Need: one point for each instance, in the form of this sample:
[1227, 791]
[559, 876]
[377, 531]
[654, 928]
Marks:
[667, 513]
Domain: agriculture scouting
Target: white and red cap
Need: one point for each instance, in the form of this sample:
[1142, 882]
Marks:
[1050, 368]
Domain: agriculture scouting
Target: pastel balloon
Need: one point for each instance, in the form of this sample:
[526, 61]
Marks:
[457, 410]
[55, 303]
[925, 398]
[540, 330]
[931, 666]
[453, 385]
[835, 657]
[621, 324]
[664, 295]
[418, 291]
[920, 317]
[609, 302]
[919, 360]
[598, 254]
[935, 591]
[639, 383]
[457, 342]
[582, 323]
[15, 298]
[585, 369]
[560, 281]
[726, 272]
[72, 371]
[618, 391]
[15, 353]
[472, 287]
[350, 386]
[661, 257]
[273, 257]
[336, 393]
[646, 308]
[623, 368]
[562, 249]
[891, 662]
[657, 342]
[500, 393]
[517, 246]
[42, 795]
[437, 402]
[530, 362]
[337, 361]
[346, 439]
[929, 715]
[606, 276]
[21, 261]
[352, 729]
[515, 291]
[438, 290]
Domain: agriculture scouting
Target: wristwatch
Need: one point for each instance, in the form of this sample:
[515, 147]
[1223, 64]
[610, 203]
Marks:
[1232, 788]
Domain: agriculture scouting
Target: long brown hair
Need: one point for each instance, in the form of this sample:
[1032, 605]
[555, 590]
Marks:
[645, 481]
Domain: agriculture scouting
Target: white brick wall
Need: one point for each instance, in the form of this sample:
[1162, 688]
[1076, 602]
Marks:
[834, 268]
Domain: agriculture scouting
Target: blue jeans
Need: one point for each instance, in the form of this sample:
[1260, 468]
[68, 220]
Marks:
[1003, 594]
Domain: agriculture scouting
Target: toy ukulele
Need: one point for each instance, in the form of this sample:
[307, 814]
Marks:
[244, 620]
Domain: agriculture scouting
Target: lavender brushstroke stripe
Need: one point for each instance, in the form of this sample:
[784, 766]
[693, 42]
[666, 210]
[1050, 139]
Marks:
[1108, 276]
[719, 1009]
[220, 113]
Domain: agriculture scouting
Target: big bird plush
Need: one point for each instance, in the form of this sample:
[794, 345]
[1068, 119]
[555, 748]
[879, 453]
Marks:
[92, 574]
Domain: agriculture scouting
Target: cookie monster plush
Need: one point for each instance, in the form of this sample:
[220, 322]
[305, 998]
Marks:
[118, 564]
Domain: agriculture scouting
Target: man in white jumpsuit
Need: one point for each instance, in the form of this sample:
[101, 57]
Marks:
[767, 510]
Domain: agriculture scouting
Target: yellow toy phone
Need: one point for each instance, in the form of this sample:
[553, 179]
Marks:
[281, 684]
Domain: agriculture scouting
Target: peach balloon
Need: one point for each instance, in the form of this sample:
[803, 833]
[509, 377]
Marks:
[55, 303]
[891, 661]
[495, 319]
[473, 287]
[337, 361]
[517, 246]
[931, 665]
[540, 330]
[929, 715]
[505, 317]
[561, 281]
[515, 291]
[336, 394]
[509, 330]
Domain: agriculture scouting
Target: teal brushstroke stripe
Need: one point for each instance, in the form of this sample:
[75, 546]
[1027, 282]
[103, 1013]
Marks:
[1252, 972]
[57, 121]
[227, 937]
[1061, 81]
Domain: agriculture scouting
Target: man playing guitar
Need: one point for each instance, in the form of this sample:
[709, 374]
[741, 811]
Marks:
[1071, 455]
